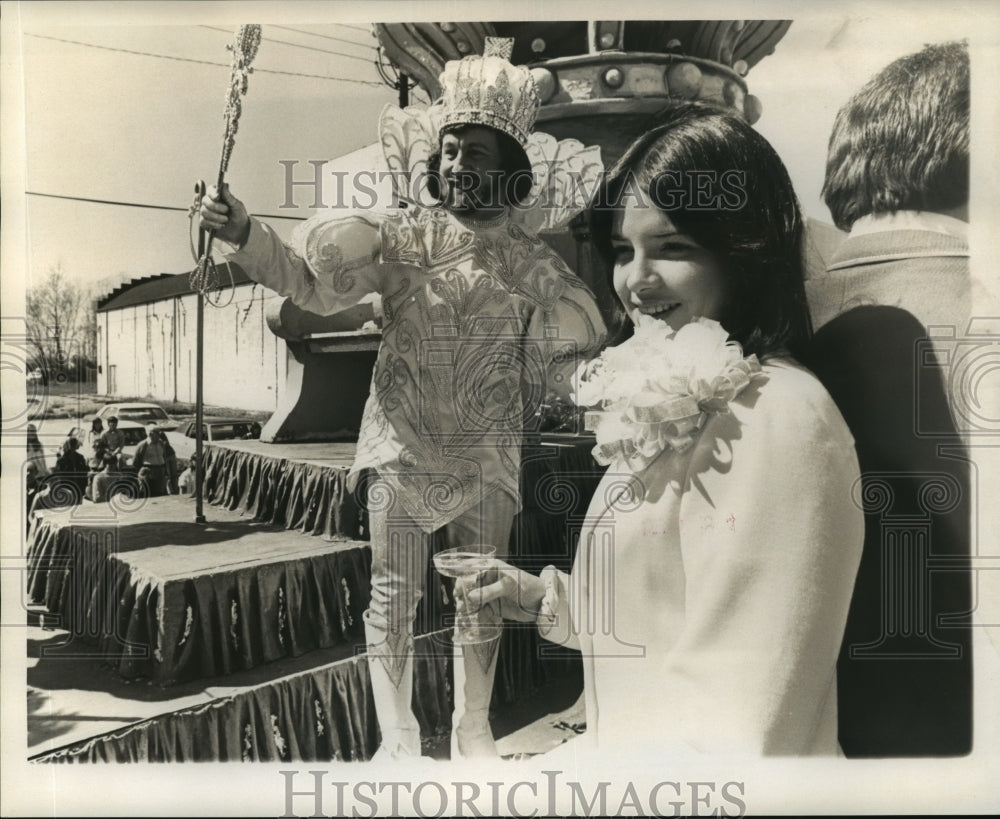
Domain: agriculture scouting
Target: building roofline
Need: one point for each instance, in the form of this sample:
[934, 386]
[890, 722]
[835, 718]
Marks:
[163, 286]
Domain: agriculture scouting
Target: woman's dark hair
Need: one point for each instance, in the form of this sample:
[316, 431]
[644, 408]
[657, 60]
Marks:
[722, 184]
[97, 425]
[514, 164]
[902, 141]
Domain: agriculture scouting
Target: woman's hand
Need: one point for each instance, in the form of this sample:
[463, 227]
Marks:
[519, 593]
[226, 215]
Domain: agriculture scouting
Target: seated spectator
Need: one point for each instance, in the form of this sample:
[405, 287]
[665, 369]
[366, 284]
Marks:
[185, 482]
[94, 466]
[103, 485]
[114, 439]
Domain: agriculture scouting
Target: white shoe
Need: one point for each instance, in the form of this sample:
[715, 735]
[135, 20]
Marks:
[401, 748]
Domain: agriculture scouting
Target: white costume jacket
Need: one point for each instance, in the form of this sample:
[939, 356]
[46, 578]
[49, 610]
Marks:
[481, 320]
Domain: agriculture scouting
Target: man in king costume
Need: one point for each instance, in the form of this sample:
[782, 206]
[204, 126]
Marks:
[481, 321]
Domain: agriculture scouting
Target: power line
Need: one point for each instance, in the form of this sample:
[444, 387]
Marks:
[203, 62]
[300, 45]
[324, 36]
[144, 205]
[353, 28]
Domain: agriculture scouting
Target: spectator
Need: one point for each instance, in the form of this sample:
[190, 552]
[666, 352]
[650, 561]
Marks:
[170, 462]
[94, 466]
[31, 488]
[897, 178]
[36, 454]
[114, 439]
[71, 466]
[103, 485]
[151, 463]
[185, 482]
[96, 432]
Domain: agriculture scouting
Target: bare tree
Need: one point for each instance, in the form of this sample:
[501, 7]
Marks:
[61, 325]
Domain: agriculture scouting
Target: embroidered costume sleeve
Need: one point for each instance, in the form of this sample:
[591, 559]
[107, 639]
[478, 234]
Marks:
[568, 329]
[329, 265]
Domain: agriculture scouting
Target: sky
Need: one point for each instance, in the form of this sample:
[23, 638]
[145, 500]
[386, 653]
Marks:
[121, 126]
[104, 120]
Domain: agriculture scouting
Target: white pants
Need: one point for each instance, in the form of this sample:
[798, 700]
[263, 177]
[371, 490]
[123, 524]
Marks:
[401, 549]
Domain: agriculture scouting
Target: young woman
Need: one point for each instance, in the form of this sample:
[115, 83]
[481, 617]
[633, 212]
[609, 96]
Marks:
[715, 568]
[96, 432]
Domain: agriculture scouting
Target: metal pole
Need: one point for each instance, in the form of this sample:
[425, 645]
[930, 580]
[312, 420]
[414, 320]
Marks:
[199, 472]
[199, 360]
[244, 49]
[404, 90]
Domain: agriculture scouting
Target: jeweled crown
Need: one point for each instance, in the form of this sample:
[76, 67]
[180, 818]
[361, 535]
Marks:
[490, 91]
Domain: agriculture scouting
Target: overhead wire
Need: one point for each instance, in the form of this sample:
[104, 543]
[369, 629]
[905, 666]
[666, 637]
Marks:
[136, 52]
[144, 205]
[324, 36]
[300, 45]
[203, 62]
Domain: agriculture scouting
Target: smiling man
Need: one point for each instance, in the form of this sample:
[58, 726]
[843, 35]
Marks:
[475, 308]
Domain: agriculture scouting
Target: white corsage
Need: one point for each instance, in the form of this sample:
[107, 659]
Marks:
[656, 390]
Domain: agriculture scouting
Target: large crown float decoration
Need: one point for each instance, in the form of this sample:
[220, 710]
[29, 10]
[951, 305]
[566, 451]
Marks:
[599, 82]
[599, 85]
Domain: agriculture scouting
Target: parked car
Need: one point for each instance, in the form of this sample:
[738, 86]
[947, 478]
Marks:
[183, 440]
[140, 412]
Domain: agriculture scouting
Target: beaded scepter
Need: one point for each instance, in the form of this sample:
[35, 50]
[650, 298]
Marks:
[244, 47]
[204, 277]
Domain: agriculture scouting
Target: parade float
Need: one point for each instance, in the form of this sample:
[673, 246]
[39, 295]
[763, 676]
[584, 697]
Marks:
[252, 617]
